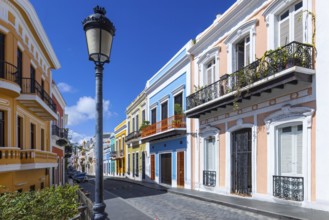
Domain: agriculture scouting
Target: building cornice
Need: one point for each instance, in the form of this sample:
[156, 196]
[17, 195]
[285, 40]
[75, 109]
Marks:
[236, 15]
[28, 10]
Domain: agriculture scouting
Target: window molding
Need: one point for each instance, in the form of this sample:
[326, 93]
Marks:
[212, 54]
[278, 7]
[288, 116]
[246, 29]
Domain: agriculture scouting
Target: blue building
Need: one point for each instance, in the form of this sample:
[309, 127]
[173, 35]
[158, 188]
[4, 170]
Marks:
[166, 136]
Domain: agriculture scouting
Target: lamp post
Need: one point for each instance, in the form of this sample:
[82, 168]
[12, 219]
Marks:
[99, 33]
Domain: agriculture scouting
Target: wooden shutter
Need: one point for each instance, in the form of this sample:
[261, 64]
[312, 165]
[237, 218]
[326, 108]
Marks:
[298, 29]
[284, 32]
[286, 150]
[299, 149]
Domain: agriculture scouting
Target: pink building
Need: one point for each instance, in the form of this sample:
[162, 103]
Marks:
[253, 101]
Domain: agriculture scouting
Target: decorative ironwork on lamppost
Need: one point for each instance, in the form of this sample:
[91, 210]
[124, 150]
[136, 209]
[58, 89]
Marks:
[99, 34]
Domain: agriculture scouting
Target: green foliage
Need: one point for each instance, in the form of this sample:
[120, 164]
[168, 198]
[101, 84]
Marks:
[51, 203]
[144, 125]
[178, 109]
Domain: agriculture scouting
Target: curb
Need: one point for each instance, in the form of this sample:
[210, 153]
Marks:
[241, 207]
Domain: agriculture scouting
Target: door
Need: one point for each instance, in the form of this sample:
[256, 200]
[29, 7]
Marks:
[19, 67]
[152, 167]
[241, 162]
[165, 174]
[180, 168]
[143, 165]
[2, 55]
[32, 83]
[164, 116]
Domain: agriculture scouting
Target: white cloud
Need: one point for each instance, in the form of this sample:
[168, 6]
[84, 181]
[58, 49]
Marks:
[85, 109]
[63, 87]
[78, 138]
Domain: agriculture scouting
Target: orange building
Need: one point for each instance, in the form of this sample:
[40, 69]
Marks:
[26, 106]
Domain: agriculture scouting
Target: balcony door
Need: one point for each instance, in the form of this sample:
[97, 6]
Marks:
[164, 116]
[19, 67]
[2, 129]
[2, 55]
[32, 83]
[242, 50]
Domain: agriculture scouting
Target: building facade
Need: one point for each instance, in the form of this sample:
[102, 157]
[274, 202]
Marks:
[59, 138]
[112, 155]
[169, 153]
[120, 148]
[254, 103]
[106, 153]
[26, 106]
[136, 151]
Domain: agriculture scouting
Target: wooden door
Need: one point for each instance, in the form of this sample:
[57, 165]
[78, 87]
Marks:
[180, 168]
[152, 167]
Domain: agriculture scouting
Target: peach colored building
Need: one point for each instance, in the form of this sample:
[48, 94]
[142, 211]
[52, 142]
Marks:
[253, 104]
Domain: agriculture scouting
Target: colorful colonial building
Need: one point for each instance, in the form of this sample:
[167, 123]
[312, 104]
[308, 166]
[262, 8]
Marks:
[26, 106]
[254, 105]
[169, 153]
[59, 138]
[120, 148]
[136, 151]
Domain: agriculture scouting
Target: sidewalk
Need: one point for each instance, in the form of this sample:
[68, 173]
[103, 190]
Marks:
[265, 208]
[116, 207]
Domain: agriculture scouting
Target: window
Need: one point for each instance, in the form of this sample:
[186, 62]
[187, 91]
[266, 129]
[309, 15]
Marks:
[133, 164]
[209, 154]
[290, 25]
[20, 132]
[153, 116]
[178, 104]
[42, 185]
[42, 88]
[2, 54]
[209, 73]
[143, 115]
[137, 122]
[19, 66]
[164, 110]
[2, 128]
[32, 83]
[290, 150]
[133, 124]
[32, 188]
[128, 127]
[242, 50]
[136, 172]
[32, 136]
[42, 139]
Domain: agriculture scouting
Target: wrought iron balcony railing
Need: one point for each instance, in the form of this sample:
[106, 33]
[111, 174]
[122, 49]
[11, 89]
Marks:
[9, 72]
[209, 178]
[293, 54]
[133, 135]
[121, 153]
[113, 154]
[288, 187]
[60, 132]
[176, 121]
[30, 86]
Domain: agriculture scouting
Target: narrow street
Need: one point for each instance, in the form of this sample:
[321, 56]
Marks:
[163, 205]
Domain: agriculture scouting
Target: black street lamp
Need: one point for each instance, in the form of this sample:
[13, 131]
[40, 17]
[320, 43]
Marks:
[99, 33]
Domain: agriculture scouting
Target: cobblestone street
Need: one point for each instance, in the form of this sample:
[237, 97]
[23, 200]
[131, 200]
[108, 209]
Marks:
[162, 205]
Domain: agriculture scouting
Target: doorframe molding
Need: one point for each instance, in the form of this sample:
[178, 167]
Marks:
[228, 135]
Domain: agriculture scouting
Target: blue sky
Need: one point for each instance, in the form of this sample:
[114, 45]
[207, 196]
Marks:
[149, 33]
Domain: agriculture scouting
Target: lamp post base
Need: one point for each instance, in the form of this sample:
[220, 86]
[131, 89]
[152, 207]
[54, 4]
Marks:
[99, 211]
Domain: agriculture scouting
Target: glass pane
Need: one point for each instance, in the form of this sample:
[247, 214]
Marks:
[92, 36]
[284, 32]
[106, 44]
[286, 152]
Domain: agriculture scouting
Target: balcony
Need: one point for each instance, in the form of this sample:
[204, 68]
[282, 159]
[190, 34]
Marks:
[37, 100]
[288, 188]
[121, 153]
[113, 155]
[282, 71]
[12, 159]
[61, 134]
[169, 127]
[133, 137]
[9, 81]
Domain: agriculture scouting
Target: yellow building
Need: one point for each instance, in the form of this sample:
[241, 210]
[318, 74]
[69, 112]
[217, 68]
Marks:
[120, 148]
[136, 151]
[26, 107]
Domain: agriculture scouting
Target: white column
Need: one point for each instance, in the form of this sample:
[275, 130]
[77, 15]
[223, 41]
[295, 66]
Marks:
[322, 119]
